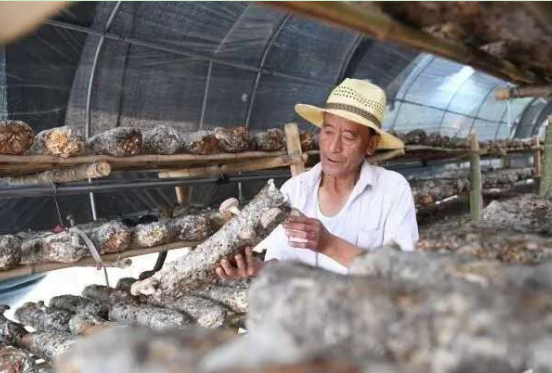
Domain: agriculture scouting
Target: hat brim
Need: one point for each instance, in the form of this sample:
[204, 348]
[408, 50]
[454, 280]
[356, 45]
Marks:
[315, 115]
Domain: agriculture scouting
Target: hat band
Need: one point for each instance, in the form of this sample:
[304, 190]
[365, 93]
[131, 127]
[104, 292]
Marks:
[355, 110]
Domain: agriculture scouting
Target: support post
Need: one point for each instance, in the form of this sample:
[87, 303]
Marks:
[538, 156]
[294, 148]
[183, 195]
[476, 198]
[546, 176]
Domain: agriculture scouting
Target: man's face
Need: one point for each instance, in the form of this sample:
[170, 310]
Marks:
[343, 145]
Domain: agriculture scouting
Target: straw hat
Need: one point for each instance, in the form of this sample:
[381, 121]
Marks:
[359, 101]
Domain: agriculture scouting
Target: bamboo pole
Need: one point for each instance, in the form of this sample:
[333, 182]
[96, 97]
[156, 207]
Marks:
[83, 172]
[384, 28]
[476, 198]
[126, 161]
[538, 156]
[504, 94]
[90, 262]
[546, 176]
[183, 195]
[293, 143]
[253, 165]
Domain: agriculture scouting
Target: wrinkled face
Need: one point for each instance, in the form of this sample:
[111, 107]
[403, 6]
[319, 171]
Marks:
[344, 144]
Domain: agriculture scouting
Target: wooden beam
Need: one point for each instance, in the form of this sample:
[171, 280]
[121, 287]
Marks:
[253, 165]
[19, 18]
[546, 178]
[384, 28]
[294, 147]
[476, 198]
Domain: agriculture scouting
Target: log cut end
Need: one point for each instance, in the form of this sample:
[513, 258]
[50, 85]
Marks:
[16, 137]
[10, 331]
[161, 140]
[10, 251]
[200, 143]
[60, 142]
[233, 140]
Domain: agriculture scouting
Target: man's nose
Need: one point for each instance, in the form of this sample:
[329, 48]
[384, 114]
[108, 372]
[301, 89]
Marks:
[335, 143]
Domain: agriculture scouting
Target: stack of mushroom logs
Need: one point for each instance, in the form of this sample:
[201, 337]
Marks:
[431, 190]
[434, 139]
[475, 306]
[17, 138]
[184, 292]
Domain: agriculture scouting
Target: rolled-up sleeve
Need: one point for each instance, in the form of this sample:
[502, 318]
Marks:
[401, 226]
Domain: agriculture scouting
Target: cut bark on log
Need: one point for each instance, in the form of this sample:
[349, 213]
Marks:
[268, 140]
[43, 318]
[76, 304]
[204, 312]
[10, 331]
[108, 296]
[424, 268]
[142, 350]
[10, 251]
[15, 360]
[438, 328]
[60, 142]
[149, 316]
[48, 345]
[255, 222]
[118, 142]
[86, 324]
[63, 247]
[486, 242]
[431, 191]
[111, 237]
[16, 137]
[161, 140]
[233, 297]
[201, 142]
[529, 213]
[93, 171]
[191, 227]
[233, 140]
[152, 234]
[309, 140]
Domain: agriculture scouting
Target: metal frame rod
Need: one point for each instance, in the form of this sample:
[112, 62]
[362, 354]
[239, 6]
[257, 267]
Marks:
[261, 65]
[147, 44]
[113, 186]
[89, 94]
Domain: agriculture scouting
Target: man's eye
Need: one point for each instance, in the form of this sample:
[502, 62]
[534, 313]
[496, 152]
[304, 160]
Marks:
[348, 138]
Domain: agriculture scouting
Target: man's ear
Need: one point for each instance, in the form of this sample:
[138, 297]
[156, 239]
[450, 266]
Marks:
[373, 143]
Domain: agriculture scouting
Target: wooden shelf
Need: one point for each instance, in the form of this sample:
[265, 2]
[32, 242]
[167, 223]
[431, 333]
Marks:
[13, 165]
[89, 261]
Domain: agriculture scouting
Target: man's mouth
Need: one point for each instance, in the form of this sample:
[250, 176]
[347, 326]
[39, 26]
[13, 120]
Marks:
[333, 160]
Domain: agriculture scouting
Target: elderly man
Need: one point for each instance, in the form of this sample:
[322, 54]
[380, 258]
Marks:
[348, 206]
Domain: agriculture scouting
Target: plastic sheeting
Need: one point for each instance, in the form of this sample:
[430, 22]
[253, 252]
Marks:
[203, 64]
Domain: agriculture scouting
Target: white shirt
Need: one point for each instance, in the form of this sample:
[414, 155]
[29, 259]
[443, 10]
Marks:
[379, 210]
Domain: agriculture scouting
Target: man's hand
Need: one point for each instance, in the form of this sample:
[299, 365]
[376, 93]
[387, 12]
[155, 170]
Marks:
[311, 234]
[239, 267]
